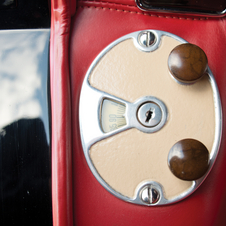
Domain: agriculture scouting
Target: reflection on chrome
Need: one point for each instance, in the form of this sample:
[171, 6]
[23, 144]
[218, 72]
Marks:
[23, 76]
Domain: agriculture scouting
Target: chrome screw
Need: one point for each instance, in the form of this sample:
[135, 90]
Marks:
[146, 39]
[150, 195]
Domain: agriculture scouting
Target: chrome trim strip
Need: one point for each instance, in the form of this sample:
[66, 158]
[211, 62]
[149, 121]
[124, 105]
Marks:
[182, 11]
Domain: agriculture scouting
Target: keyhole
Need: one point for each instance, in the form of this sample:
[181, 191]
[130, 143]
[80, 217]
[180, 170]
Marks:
[148, 115]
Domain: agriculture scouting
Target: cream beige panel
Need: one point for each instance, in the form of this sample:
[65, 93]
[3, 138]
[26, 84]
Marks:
[131, 157]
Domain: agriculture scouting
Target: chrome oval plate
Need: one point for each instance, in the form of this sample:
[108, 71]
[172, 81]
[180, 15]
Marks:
[124, 117]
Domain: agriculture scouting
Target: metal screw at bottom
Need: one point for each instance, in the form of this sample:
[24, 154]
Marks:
[150, 195]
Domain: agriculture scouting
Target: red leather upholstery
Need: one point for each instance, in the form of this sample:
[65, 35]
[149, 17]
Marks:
[61, 114]
[94, 25]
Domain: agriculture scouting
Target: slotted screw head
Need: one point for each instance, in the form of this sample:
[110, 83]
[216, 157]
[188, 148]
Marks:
[150, 195]
[146, 39]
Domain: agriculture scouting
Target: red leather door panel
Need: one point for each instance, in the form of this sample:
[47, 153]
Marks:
[76, 40]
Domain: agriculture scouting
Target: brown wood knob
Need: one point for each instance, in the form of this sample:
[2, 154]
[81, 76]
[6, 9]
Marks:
[187, 63]
[188, 159]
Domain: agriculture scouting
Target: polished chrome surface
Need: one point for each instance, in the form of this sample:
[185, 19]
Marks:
[149, 114]
[91, 100]
[150, 194]
[179, 9]
[146, 39]
[25, 157]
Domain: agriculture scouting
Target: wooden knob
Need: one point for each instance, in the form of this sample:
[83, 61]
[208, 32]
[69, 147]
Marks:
[188, 159]
[187, 63]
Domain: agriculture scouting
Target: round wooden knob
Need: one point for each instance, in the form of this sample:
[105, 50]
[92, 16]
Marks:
[188, 159]
[187, 63]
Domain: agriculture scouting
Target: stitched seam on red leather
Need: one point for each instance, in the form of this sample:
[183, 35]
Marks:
[106, 2]
[146, 14]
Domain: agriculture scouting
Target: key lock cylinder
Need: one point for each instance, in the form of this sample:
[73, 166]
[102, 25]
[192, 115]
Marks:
[146, 134]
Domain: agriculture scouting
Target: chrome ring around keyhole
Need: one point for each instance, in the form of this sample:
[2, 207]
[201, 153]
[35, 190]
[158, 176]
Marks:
[149, 114]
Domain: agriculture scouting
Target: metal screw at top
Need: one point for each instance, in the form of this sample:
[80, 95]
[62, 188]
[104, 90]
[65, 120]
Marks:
[146, 39]
[150, 195]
